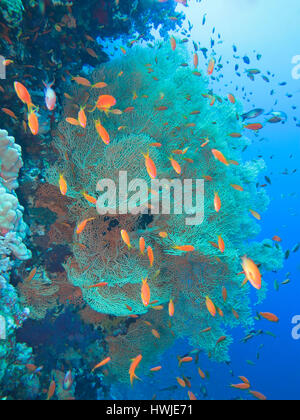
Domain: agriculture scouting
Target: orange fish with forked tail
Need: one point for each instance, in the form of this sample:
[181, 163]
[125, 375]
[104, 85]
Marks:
[33, 122]
[217, 202]
[82, 118]
[252, 272]
[134, 364]
[150, 255]
[211, 66]
[184, 248]
[23, 94]
[150, 166]
[210, 306]
[145, 292]
[89, 198]
[173, 43]
[103, 134]
[126, 238]
[185, 359]
[63, 185]
[104, 362]
[219, 156]
[171, 308]
[142, 245]
[269, 316]
[80, 228]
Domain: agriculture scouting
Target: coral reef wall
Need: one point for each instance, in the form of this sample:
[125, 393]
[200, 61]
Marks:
[13, 356]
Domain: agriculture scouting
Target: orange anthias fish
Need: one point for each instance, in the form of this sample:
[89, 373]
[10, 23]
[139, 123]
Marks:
[211, 66]
[126, 238]
[82, 118]
[23, 94]
[134, 364]
[145, 292]
[142, 245]
[99, 85]
[33, 122]
[150, 166]
[102, 132]
[210, 306]
[196, 60]
[9, 112]
[221, 244]
[72, 121]
[171, 308]
[217, 202]
[255, 214]
[252, 272]
[245, 380]
[277, 238]
[181, 382]
[89, 198]
[163, 235]
[231, 98]
[185, 359]
[105, 102]
[95, 286]
[175, 165]
[201, 373]
[184, 248]
[83, 224]
[82, 81]
[224, 294]
[258, 395]
[104, 362]
[155, 369]
[63, 185]
[242, 386]
[51, 390]
[269, 316]
[254, 127]
[155, 333]
[237, 187]
[31, 275]
[150, 255]
[173, 43]
[219, 156]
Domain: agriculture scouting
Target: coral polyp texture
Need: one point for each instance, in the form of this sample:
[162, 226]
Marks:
[13, 230]
[163, 100]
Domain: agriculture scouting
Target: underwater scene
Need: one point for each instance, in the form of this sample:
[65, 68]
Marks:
[149, 201]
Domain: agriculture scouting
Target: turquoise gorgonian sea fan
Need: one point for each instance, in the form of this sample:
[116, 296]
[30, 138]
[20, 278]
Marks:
[163, 101]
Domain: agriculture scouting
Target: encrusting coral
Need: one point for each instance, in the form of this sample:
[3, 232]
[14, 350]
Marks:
[162, 100]
[13, 356]
[12, 227]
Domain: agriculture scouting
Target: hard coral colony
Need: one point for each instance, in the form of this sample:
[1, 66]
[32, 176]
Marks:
[144, 280]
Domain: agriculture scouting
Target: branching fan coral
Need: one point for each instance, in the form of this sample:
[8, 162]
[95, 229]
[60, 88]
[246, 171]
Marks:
[168, 111]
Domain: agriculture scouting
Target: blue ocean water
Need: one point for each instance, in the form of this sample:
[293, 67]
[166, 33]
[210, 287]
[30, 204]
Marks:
[249, 25]
[270, 360]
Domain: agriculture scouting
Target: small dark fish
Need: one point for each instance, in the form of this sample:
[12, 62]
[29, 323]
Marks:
[252, 114]
[169, 388]
[246, 60]
[204, 52]
[296, 248]
[274, 120]
[268, 180]
[287, 254]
